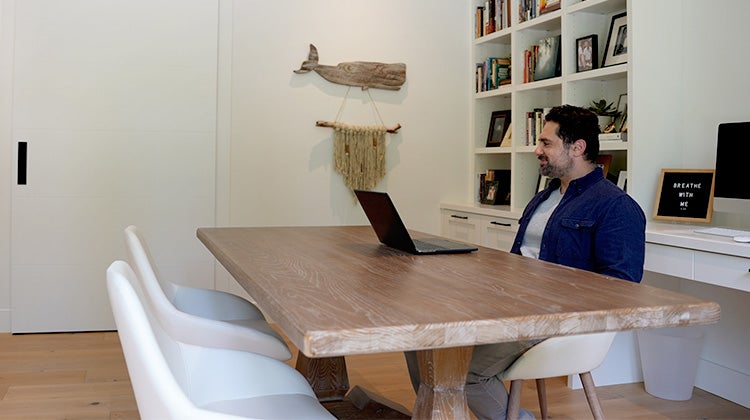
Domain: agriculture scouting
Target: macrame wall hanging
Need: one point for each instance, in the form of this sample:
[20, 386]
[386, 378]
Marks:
[358, 151]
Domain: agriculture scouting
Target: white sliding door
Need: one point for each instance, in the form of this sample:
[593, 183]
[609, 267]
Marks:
[115, 102]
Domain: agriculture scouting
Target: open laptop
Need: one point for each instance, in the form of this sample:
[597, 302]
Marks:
[392, 232]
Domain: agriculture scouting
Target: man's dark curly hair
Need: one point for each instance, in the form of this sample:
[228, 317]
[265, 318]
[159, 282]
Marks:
[577, 123]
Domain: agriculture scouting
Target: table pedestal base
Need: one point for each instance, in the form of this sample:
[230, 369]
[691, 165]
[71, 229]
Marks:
[442, 375]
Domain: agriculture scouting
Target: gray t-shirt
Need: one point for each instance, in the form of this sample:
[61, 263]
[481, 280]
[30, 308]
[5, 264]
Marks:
[532, 238]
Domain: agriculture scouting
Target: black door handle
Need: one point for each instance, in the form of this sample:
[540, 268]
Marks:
[22, 158]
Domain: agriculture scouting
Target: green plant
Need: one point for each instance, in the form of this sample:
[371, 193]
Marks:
[602, 108]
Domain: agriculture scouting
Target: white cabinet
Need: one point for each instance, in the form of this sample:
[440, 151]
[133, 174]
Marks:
[498, 232]
[461, 226]
[576, 19]
[479, 225]
[706, 267]
[722, 270]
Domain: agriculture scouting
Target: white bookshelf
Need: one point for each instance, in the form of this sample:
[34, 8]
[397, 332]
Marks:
[574, 20]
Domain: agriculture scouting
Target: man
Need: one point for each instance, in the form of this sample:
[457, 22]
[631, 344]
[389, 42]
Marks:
[580, 220]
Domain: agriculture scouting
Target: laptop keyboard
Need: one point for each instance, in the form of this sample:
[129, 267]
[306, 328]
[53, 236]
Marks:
[425, 246]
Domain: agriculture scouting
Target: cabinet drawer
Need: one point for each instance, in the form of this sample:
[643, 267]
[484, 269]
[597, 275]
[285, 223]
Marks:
[722, 270]
[460, 226]
[669, 260]
[498, 232]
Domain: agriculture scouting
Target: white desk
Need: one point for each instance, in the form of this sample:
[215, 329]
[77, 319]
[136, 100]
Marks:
[716, 268]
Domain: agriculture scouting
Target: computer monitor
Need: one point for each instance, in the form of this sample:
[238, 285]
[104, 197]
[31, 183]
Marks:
[731, 189]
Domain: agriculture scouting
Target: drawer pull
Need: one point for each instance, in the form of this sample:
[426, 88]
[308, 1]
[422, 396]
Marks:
[501, 224]
[22, 157]
[455, 216]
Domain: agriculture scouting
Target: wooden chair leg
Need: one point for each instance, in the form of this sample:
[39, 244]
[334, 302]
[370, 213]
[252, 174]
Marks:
[541, 392]
[514, 399]
[590, 390]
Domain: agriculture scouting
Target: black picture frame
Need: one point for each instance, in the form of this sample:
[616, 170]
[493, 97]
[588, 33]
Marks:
[622, 113]
[499, 121]
[587, 53]
[616, 51]
[491, 192]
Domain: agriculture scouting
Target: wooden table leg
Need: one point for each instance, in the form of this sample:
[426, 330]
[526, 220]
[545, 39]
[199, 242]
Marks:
[441, 391]
[327, 376]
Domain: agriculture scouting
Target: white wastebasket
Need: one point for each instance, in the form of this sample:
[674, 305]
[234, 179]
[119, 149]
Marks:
[669, 359]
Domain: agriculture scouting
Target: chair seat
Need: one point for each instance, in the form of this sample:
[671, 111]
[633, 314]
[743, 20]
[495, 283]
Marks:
[214, 304]
[289, 406]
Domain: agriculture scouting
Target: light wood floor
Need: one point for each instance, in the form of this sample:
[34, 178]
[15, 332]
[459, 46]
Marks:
[83, 376]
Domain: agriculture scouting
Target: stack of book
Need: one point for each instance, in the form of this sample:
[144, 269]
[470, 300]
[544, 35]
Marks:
[492, 73]
[493, 16]
[534, 124]
[529, 9]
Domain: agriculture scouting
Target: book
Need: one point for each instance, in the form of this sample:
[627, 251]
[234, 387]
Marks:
[549, 6]
[613, 136]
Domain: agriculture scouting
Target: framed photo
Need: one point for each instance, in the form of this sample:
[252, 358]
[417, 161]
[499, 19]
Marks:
[542, 182]
[587, 53]
[491, 193]
[622, 113]
[685, 195]
[499, 122]
[616, 51]
[622, 180]
[603, 161]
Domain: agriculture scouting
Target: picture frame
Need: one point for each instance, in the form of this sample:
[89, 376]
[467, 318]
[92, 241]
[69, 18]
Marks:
[491, 193]
[622, 113]
[508, 138]
[603, 161]
[616, 51]
[622, 180]
[499, 122]
[685, 195]
[542, 182]
[587, 53]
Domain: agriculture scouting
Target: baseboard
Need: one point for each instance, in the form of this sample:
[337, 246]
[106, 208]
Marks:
[4, 320]
[726, 383]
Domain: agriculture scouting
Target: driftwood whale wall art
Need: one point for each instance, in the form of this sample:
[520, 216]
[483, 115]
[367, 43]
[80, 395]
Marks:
[364, 74]
[358, 151]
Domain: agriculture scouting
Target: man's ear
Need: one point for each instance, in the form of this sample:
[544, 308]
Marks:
[578, 147]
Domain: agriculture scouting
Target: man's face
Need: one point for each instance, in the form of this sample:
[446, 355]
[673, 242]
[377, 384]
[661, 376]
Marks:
[554, 155]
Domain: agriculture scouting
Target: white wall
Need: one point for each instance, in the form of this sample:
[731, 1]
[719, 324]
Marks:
[281, 164]
[687, 77]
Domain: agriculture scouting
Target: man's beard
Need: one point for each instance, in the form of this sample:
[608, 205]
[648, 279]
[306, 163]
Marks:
[556, 170]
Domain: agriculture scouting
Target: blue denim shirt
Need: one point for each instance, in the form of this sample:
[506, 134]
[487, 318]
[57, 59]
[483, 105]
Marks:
[596, 227]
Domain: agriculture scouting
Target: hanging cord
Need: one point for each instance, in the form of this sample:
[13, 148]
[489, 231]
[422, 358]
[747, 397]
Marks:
[375, 107]
[341, 107]
[336, 122]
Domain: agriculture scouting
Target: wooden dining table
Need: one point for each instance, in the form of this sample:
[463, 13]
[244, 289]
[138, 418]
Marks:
[336, 291]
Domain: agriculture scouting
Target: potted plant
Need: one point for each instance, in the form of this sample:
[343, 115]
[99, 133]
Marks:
[606, 112]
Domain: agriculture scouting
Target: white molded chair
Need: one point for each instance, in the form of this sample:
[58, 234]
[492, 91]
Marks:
[204, 317]
[559, 356]
[175, 380]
